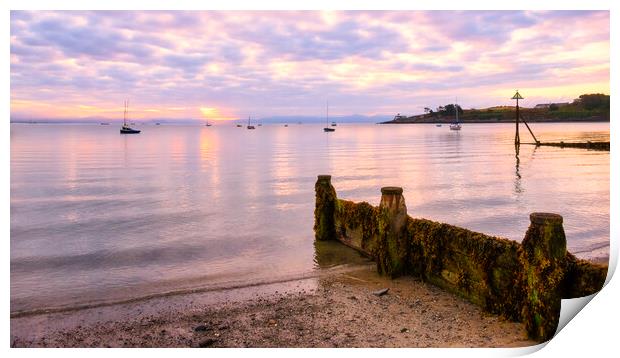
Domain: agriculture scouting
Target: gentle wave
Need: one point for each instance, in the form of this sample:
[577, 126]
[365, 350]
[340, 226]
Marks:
[98, 217]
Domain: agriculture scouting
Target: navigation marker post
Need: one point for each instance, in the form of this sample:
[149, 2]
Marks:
[517, 96]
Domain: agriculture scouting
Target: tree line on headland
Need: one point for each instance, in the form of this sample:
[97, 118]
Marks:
[588, 107]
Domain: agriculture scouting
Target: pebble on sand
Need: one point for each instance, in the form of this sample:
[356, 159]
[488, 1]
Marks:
[381, 292]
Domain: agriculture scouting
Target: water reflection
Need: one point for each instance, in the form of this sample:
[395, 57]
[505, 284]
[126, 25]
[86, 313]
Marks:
[231, 204]
[332, 253]
[125, 149]
[518, 187]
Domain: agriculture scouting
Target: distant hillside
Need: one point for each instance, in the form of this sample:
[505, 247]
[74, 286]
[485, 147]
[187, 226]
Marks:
[586, 108]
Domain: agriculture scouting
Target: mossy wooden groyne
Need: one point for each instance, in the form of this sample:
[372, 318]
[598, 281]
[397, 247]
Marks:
[524, 282]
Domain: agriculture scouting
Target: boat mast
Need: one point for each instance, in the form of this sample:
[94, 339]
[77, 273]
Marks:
[125, 114]
[327, 116]
[248, 120]
[456, 108]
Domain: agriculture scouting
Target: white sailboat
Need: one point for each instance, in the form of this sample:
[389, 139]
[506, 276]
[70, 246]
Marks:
[456, 126]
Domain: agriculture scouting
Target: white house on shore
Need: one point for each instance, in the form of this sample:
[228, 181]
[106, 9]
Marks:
[547, 105]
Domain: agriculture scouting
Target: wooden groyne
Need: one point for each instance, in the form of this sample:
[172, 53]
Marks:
[583, 145]
[524, 282]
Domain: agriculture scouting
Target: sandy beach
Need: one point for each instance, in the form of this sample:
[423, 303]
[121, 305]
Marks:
[336, 308]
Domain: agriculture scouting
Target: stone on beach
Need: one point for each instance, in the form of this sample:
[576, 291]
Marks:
[381, 292]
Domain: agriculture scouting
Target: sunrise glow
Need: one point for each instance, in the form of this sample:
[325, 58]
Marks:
[222, 65]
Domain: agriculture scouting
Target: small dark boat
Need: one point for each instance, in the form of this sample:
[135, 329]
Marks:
[239, 126]
[327, 129]
[125, 129]
[286, 125]
[105, 124]
[157, 124]
[208, 124]
[250, 126]
[128, 130]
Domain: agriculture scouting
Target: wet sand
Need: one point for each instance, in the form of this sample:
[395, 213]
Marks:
[337, 308]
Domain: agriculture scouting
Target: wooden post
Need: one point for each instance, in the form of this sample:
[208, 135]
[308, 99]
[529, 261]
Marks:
[532, 133]
[517, 96]
[392, 248]
[517, 139]
[544, 255]
[324, 228]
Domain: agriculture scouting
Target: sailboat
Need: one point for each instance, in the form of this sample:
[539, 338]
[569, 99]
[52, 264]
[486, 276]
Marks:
[456, 126]
[125, 129]
[208, 124]
[327, 129]
[250, 126]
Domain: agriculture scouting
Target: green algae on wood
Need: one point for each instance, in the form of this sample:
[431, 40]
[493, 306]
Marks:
[325, 206]
[543, 257]
[583, 278]
[356, 225]
[392, 249]
[523, 282]
[475, 266]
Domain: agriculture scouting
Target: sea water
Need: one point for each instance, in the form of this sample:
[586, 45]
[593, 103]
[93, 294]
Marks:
[97, 216]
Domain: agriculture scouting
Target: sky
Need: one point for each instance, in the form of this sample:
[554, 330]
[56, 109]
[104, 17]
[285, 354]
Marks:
[223, 65]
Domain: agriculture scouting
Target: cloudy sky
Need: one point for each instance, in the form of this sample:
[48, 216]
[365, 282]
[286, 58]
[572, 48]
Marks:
[228, 65]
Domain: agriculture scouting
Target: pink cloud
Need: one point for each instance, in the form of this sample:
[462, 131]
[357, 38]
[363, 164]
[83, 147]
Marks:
[277, 63]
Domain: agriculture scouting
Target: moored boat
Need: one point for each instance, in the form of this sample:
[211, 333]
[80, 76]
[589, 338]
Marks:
[126, 129]
[327, 129]
[456, 126]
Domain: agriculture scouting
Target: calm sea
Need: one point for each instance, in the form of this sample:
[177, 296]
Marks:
[98, 216]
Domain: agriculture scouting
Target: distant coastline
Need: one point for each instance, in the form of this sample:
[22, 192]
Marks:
[407, 120]
[445, 120]
[586, 108]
